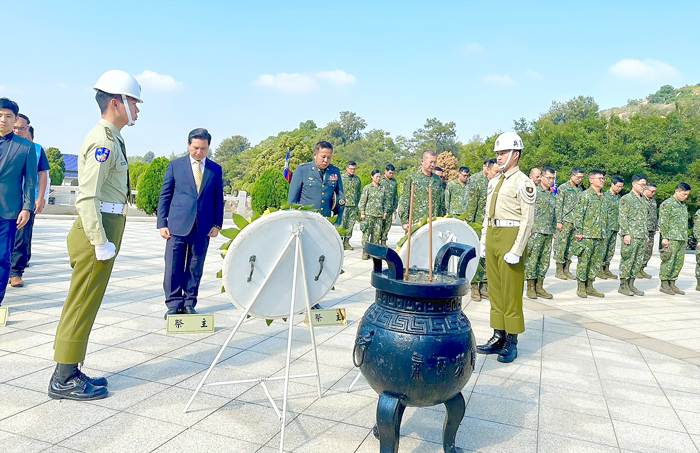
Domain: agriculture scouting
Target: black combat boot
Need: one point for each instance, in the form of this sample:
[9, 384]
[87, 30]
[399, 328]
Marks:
[495, 343]
[510, 349]
[69, 383]
[97, 382]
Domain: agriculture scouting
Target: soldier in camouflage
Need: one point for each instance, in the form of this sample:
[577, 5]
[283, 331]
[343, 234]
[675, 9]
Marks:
[476, 209]
[567, 200]
[440, 173]
[392, 200]
[372, 207]
[589, 227]
[352, 187]
[673, 222]
[696, 233]
[611, 203]
[423, 178]
[635, 236]
[539, 246]
[457, 193]
[652, 226]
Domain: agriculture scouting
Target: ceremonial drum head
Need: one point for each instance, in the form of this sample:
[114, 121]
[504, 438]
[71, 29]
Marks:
[270, 288]
[444, 231]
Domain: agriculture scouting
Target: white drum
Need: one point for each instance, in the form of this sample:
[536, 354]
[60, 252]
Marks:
[444, 231]
[259, 245]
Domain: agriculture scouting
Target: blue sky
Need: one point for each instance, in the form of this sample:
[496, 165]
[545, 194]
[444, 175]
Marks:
[257, 68]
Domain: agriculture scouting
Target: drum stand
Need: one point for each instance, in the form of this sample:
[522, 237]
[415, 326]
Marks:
[298, 262]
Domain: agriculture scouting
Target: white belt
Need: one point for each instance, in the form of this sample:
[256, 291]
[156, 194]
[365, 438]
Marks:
[504, 223]
[113, 208]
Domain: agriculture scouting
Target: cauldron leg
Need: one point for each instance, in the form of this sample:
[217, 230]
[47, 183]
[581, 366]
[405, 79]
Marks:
[455, 413]
[389, 412]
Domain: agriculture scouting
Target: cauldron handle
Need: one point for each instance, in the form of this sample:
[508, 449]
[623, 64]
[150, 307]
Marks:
[379, 253]
[465, 253]
[364, 339]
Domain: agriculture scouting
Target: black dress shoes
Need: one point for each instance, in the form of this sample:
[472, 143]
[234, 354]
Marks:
[171, 311]
[189, 310]
[495, 343]
[75, 387]
[99, 382]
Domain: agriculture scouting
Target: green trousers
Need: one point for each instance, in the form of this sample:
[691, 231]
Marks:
[565, 237]
[697, 264]
[632, 257]
[590, 259]
[609, 246]
[348, 220]
[538, 253]
[649, 250]
[87, 287]
[374, 230]
[505, 281]
[386, 226]
[672, 258]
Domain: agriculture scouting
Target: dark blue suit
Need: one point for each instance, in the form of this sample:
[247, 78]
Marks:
[190, 217]
[309, 188]
[17, 163]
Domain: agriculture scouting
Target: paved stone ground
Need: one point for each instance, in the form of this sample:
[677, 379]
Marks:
[593, 375]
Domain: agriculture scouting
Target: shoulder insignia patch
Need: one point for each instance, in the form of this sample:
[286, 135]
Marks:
[527, 191]
[102, 154]
[109, 134]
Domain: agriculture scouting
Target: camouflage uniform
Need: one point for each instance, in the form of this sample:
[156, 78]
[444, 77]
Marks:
[673, 221]
[352, 187]
[373, 205]
[391, 187]
[456, 197]
[539, 246]
[475, 211]
[612, 225]
[589, 221]
[567, 200]
[633, 222]
[653, 227]
[696, 233]
[420, 197]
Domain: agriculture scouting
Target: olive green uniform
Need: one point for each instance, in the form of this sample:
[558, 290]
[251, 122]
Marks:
[652, 226]
[476, 208]
[567, 200]
[103, 176]
[611, 205]
[633, 222]
[420, 198]
[352, 188]
[589, 221]
[673, 222]
[391, 187]
[696, 233]
[511, 198]
[373, 205]
[539, 246]
[456, 197]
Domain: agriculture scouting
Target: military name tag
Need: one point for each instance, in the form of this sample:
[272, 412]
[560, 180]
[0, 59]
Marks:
[4, 314]
[328, 317]
[190, 324]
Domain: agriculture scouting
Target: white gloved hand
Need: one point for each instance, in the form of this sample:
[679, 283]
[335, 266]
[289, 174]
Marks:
[105, 251]
[483, 251]
[511, 258]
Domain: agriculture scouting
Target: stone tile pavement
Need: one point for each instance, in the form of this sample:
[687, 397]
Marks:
[616, 374]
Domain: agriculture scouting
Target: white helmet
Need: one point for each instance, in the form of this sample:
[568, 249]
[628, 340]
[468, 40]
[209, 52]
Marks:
[120, 82]
[508, 141]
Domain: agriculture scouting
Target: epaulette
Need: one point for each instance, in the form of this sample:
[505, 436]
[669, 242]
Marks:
[528, 191]
[109, 134]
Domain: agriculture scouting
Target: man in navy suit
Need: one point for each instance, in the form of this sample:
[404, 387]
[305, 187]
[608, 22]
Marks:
[190, 211]
[17, 164]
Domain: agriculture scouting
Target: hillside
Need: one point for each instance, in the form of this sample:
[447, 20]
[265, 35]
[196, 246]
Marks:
[662, 103]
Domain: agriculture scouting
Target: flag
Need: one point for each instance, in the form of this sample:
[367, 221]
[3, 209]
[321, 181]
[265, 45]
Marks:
[554, 186]
[287, 173]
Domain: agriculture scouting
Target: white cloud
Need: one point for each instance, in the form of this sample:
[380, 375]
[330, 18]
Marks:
[151, 80]
[337, 77]
[644, 71]
[533, 74]
[472, 48]
[497, 79]
[304, 83]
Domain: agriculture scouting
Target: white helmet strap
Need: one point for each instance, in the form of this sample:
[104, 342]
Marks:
[128, 110]
[510, 154]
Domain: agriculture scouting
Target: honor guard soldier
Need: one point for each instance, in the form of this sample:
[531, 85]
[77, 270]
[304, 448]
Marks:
[673, 222]
[611, 202]
[94, 240]
[539, 246]
[352, 187]
[567, 200]
[652, 225]
[635, 236]
[391, 187]
[509, 218]
[316, 183]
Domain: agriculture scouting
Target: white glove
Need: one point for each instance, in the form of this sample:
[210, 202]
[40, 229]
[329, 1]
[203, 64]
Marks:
[105, 251]
[483, 251]
[511, 258]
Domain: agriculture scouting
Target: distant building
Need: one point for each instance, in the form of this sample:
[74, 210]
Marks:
[70, 175]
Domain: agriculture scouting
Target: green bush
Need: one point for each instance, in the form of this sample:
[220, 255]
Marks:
[136, 169]
[150, 183]
[269, 191]
[57, 168]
